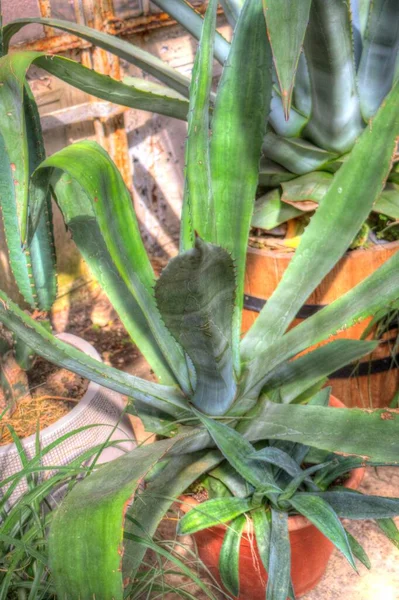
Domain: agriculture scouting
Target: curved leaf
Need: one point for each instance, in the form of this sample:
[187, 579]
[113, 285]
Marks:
[325, 519]
[335, 121]
[35, 335]
[93, 197]
[125, 50]
[195, 296]
[286, 25]
[230, 555]
[380, 50]
[232, 9]
[262, 528]
[352, 505]
[269, 211]
[213, 512]
[290, 127]
[311, 187]
[297, 155]
[94, 510]
[238, 124]
[240, 454]
[344, 208]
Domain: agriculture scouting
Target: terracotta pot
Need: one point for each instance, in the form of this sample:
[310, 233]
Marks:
[310, 549]
[377, 380]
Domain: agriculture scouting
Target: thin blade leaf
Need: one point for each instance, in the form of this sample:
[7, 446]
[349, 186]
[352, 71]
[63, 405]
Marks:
[198, 211]
[239, 453]
[125, 50]
[261, 520]
[278, 583]
[357, 550]
[325, 519]
[230, 555]
[349, 504]
[213, 512]
[195, 296]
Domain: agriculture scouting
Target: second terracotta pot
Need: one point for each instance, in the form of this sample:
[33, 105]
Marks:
[310, 549]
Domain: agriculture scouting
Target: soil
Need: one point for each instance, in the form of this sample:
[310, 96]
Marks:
[53, 393]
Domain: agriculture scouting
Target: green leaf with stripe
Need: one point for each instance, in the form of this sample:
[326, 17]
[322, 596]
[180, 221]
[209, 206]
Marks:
[349, 504]
[213, 512]
[198, 210]
[320, 513]
[238, 124]
[230, 555]
[286, 25]
[278, 583]
[195, 296]
[93, 197]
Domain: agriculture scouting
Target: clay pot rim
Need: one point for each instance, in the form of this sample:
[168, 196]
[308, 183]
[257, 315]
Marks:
[295, 522]
[281, 254]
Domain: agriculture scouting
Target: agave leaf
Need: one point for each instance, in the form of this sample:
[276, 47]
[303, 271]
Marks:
[388, 203]
[378, 60]
[232, 9]
[213, 512]
[278, 582]
[335, 121]
[125, 50]
[92, 196]
[297, 481]
[376, 292]
[35, 335]
[295, 377]
[261, 520]
[390, 530]
[297, 155]
[371, 435]
[311, 187]
[33, 268]
[94, 512]
[345, 206]
[271, 174]
[195, 296]
[290, 127]
[279, 458]
[232, 480]
[198, 211]
[357, 550]
[238, 124]
[302, 91]
[320, 513]
[269, 211]
[157, 498]
[230, 555]
[192, 21]
[286, 25]
[349, 504]
[240, 454]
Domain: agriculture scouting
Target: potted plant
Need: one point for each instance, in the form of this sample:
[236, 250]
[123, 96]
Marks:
[222, 403]
[303, 147]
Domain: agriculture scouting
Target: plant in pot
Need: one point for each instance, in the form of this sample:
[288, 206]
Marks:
[247, 413]
[33, 267]
[336, 84]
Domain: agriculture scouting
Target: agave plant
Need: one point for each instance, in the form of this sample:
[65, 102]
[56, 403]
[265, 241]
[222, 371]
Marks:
[218, 396]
